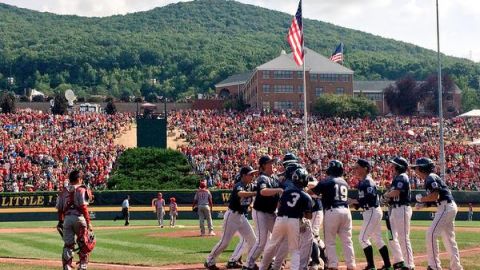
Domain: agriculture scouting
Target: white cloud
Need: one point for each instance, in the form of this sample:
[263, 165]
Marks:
[412, 21]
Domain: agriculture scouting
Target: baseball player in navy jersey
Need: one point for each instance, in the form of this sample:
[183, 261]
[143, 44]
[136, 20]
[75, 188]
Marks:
[294, 205]
[264, 207]
[234, 219]
[368, 199]
[334, 191]
[401, 213]
[443, 223]
[318, 247]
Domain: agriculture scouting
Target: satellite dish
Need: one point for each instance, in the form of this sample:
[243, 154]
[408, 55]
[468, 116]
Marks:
[52, 102]
[70, 103]
[70, 96]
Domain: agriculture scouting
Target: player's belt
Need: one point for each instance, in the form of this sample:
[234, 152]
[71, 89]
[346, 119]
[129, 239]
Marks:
[400, 205]
[338, 206]
[235, 212]
[367, 207]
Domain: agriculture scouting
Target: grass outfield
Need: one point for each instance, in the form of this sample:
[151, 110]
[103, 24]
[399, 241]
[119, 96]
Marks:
[154, 246]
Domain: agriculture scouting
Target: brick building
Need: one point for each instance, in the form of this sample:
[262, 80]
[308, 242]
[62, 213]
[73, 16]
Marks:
[278, 84]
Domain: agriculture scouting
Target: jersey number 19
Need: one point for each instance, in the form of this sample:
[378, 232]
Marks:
[341, 193]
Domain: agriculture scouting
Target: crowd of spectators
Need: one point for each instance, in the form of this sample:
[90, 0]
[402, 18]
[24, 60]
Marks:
[219, 143]
[37, 150]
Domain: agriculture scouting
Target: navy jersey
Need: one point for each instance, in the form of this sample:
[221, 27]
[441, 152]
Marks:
[317, 205]
[266, 204]
[401, 183]
[334, 192]
[240, 204]
[367, 193]
[435, 183]
[286, 183]
[294, 203]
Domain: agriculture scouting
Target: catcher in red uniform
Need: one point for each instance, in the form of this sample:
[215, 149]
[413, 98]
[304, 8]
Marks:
[74, 221]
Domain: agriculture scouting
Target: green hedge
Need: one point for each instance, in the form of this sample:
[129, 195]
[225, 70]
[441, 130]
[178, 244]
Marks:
[152, 168]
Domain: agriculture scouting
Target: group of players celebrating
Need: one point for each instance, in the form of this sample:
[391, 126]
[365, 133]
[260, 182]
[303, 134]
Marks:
[289, 208]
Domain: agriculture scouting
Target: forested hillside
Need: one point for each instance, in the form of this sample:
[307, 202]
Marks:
[186, 47]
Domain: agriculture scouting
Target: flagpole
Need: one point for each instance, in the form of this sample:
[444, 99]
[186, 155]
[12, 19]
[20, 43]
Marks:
[305, 120]
[440, 105]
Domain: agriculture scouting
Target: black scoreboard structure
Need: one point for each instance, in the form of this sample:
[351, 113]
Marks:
[151, 127]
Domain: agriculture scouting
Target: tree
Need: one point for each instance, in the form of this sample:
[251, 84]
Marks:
[429, 92]
[344, 106]
[110, 108]
[470, 99]
[403, 97]
[60, 104]
[125, 96]
[7, 102]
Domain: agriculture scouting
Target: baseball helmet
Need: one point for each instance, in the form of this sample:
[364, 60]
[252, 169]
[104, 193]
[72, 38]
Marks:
[425, 163]
[335, 168]
[291, 168]
[400, 162]
[300, 178]
[289, 158]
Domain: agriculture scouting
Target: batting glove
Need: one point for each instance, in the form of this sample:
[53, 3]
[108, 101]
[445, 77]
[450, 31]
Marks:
[419, 197]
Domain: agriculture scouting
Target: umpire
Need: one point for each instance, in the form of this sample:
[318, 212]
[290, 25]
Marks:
[264, 207]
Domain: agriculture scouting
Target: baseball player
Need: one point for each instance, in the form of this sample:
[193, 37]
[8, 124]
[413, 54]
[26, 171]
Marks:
[203, 201]
[264, 207]
[158, 205]
[234, 219]
[318, 258]
[368, 199]
[295, 204]
[74, 219]
[400, 215]
[173, 211]
[334, 191]
[443, 223]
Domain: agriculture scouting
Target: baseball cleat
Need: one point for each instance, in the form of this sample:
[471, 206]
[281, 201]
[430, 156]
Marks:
[210, 267]
[234, 265]
[211, 233]
[386, 268]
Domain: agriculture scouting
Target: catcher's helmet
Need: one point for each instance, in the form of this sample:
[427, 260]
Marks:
[425, 164]
[335, 168]
[289, 158]
[300, 178]
[291, 168]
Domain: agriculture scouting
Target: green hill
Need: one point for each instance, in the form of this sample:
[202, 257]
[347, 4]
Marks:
[187, 47]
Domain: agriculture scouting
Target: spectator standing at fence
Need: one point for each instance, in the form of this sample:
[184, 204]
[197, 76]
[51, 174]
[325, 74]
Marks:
[125, 211]
[173, 211]
[204, 205]
[158, 205]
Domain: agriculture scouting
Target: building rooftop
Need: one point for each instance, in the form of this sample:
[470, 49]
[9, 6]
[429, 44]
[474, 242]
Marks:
[235, 79]
[371, 86]
[315, 63]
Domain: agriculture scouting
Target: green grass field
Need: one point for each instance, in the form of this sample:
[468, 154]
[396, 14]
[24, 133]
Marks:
[154, 246]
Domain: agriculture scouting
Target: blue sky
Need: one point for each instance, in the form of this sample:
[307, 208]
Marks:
[411, 21]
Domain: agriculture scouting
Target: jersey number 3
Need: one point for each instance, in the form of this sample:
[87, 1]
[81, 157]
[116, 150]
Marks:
[295, 197]
[341, 193]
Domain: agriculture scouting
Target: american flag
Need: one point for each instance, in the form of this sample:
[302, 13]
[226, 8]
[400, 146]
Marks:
[337, 55]
[295, 36]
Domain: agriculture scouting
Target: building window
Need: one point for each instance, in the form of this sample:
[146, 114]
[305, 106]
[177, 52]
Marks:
[313, 76]
[266, 74]
[318, 91]
[283, 88]
[300, 105]
[283, 105]
[300, 74]
[340, 91]
[344, 78]
[266, 88]
[328, 77]
[300, 88]
[283, 74]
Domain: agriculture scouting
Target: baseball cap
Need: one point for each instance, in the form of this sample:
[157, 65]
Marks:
[247, 170]
[364, 163]
[202, 184]
[265, 159]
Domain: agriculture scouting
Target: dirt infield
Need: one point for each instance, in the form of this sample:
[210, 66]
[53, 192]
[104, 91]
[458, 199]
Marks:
[128, 138]
[53, 263]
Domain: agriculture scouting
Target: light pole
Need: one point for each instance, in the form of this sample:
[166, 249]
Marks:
[440, 100]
